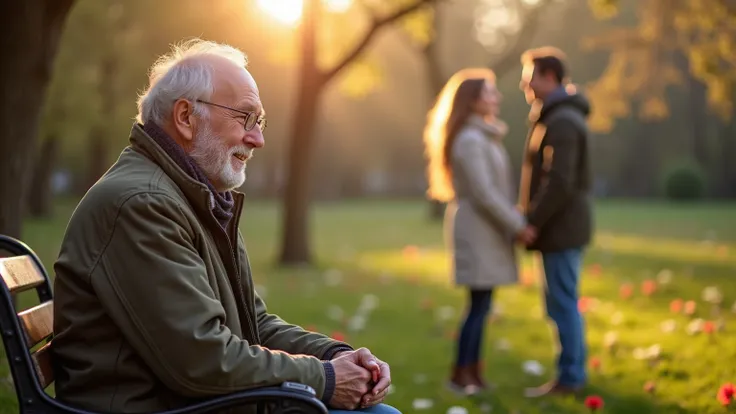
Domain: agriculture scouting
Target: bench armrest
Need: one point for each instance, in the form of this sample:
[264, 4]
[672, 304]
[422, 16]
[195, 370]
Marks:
[284, 397]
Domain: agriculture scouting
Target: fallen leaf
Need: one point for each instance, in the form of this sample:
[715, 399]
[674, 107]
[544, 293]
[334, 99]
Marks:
[695, 326]
[610, 339]
[486, 408]
[690, 307]
[369, 302]
[712, 294]
[335, 313]
[445, 313]
[709, 327]
[333, 277]
[625, 291]
[668, 326]
[503, 344]
[533, 368]
[411, 252]
[648, 287]
[357, 323]
[422, 404]
[617, 318]
[664, 277]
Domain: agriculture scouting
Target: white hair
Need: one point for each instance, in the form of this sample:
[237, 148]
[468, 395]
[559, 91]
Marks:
[182, 73]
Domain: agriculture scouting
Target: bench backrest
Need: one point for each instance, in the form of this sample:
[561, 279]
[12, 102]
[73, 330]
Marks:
[32, 370]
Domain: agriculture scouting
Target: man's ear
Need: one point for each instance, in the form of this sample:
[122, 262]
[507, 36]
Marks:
[183, 119]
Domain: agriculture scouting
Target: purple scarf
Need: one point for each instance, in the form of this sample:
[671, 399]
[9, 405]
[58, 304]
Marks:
[223, 208]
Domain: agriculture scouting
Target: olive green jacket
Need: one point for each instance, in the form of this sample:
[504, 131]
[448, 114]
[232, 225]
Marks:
[155, 307]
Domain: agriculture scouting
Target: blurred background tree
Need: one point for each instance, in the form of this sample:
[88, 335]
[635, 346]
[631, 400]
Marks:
[316, 70]
[31, 31]
[689, 44]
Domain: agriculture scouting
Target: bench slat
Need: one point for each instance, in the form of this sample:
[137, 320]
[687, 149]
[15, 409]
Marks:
[20, 273]
[38, 322]
[42, 364]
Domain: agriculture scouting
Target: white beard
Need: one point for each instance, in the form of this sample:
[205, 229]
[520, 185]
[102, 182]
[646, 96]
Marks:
[216, 160]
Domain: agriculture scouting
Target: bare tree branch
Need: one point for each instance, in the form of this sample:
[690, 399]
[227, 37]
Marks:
[625, 37]
[378, 22]
[510, 58]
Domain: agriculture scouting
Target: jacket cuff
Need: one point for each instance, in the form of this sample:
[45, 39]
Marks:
[329, 382]
[335, 349]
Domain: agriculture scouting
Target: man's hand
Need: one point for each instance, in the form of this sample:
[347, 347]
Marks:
[527, 235]
[352, 381]
[380, 375]
[380, 390]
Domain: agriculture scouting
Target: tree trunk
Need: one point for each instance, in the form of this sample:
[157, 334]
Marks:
[31, 30]
[97, 153]
[295, 247]
[698, 110]
[699, 121]
[728, 148]
[40, 196]
[98, 149]
[436, 80]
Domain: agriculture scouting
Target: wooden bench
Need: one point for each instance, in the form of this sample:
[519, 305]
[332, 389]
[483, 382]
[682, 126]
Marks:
[32, 370]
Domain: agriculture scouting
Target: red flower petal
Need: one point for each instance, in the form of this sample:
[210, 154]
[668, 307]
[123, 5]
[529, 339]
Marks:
[625, 291]
[648, 287]
[726, 393]
[594, 402]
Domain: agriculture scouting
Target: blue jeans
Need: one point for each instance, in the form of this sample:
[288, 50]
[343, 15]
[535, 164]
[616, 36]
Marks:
[376, 409]
[471, 334]
[562, 271]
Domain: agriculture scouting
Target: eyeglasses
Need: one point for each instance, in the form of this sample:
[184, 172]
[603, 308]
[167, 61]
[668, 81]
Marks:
[251, 118]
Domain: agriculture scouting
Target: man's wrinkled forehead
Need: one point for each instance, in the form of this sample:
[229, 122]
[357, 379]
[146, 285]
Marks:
[239, 88]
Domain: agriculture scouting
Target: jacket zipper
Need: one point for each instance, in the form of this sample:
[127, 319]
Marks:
[238, 280]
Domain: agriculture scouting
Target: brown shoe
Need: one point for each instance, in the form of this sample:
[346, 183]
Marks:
[551, 388]
[477, 373]
[462, 381]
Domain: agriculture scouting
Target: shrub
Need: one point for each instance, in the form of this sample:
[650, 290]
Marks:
[684, 180]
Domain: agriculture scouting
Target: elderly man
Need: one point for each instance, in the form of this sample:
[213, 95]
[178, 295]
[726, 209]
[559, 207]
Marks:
[155, 306]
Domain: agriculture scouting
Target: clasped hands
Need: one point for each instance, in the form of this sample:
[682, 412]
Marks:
[361, 380]
[527, 235]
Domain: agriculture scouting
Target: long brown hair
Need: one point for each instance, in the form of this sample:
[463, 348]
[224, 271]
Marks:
[453, 107]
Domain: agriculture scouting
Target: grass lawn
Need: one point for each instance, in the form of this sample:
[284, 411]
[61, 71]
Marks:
[390, 251]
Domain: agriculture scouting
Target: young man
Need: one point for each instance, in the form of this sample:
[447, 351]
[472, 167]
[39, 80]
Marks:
[555, 196]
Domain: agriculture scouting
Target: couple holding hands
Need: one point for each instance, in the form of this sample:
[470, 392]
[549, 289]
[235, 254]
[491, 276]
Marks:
[470, 169]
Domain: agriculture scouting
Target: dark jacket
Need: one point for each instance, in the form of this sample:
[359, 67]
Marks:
[556, 177]
[154, 301]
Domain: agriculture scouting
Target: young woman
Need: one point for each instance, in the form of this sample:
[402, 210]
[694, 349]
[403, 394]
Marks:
[469, 168]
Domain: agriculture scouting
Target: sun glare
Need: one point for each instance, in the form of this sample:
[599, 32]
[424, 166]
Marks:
[285, 11]
[337, 6]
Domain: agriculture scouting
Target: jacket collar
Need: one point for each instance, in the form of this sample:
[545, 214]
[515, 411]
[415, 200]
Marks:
[198, 194]
[496, 129]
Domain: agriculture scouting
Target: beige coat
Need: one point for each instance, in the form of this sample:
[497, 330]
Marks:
[482, 221]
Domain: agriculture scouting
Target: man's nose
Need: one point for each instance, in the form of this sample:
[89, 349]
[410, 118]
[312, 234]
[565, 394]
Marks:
[254, 138]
